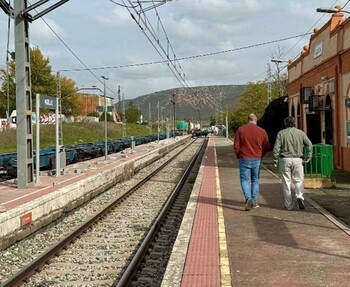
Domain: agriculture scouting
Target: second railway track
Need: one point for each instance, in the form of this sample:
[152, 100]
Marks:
[98, 254]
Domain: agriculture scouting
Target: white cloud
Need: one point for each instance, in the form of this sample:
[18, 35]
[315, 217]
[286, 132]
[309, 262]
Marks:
[103, 34]
[117, 19]
[40, 32]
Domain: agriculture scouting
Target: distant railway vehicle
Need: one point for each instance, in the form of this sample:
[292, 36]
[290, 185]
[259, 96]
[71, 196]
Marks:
[78, 152]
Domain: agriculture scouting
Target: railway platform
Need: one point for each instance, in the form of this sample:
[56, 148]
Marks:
[23, 211]
[221, 244]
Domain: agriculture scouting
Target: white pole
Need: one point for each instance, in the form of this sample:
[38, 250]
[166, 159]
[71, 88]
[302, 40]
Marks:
[58, 159]
[226, 127]
[158, 125]
[37, 159]
[104, 92]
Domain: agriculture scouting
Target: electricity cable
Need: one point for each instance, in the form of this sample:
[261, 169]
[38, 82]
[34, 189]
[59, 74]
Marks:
[122, 5]
[160, 48]
[75, 55]
[301, 37]
[188, 57]
[308, 32]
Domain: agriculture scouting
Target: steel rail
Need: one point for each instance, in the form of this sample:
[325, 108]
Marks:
[131, 269]
[23, 274]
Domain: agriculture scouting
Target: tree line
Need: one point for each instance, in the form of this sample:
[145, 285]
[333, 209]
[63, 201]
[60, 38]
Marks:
[45, 82]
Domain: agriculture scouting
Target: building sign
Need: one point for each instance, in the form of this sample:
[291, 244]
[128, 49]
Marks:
[48, 102]
[318, 50]
[26, 218]
[315, 103]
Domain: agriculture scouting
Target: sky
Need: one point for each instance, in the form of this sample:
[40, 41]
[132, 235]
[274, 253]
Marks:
[216, 42]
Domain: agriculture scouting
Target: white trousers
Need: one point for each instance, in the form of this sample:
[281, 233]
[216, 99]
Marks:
[292, 172]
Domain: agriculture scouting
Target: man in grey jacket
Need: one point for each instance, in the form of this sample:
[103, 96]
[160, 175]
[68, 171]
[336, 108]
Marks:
[289, 146]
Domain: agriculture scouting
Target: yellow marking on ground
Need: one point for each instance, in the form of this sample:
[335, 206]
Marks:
[224, 258]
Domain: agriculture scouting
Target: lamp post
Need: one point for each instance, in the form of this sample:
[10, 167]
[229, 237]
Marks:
[173, 102]
[278, 62]
[104, 94]
[336, 9]
[158, 125]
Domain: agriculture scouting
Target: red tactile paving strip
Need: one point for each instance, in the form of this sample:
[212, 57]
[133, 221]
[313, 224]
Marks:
[202, 267]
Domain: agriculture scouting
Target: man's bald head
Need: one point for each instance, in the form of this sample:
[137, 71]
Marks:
[252, 119]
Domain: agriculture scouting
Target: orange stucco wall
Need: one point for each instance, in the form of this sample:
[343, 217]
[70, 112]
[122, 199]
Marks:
[324, 65]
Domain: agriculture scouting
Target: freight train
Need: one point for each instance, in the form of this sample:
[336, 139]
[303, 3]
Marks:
[77, 153]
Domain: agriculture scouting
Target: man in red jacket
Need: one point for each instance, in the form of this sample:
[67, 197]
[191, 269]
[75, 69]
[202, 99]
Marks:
[251, 143]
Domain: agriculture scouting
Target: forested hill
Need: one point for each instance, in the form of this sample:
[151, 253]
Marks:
[197, 103]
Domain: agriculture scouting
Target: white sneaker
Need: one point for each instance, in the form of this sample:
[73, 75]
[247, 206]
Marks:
[255, 205]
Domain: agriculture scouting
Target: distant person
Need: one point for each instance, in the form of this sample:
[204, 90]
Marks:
[289, 146]
[251, 143]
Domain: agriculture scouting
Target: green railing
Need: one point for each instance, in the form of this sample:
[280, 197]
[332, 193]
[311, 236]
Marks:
[321, 163]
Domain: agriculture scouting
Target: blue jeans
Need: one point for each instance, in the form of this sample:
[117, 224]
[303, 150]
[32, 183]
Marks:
[249, 173]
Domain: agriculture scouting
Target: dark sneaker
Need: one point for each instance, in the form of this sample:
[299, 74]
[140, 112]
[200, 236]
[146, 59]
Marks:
[248, 204]
[255, 205]
[301, 203]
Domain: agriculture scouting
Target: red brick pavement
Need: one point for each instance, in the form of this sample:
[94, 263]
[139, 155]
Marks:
[202, 266]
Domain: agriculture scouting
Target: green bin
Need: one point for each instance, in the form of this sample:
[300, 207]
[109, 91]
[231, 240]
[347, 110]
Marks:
[224, 132]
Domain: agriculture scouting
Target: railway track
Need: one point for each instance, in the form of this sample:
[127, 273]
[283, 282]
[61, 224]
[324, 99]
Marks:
[98, 252]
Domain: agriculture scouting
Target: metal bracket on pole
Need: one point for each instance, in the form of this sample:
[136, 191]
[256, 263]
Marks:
[7, 8]
[31, 18]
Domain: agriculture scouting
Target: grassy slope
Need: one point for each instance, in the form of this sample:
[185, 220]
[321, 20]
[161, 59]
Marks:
[73, 133]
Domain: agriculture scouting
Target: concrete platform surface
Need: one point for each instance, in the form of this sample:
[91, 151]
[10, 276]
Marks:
[266, 246]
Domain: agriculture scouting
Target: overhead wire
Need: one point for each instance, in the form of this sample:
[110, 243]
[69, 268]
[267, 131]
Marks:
[121, 5]
[171, 63]
[168, 42]
[301, 37]
[165, 60]
[189, 57]
[75, 55]
[345, 4]
[308, 31]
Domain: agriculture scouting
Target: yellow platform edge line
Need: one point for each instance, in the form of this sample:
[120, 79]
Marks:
[225, 275]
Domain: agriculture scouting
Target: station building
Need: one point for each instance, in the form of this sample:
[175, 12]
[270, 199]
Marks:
[319, 88]
[94, 103]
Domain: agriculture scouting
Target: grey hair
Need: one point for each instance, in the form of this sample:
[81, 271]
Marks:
[289, 122]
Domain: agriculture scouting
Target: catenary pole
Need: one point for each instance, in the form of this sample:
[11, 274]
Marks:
[25, 172]
[24, 129]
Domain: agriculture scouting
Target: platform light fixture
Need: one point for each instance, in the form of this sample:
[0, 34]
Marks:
[277, 62]
[331, 10]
